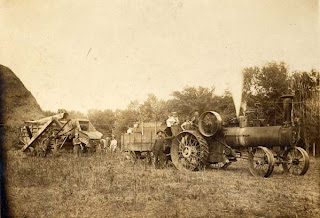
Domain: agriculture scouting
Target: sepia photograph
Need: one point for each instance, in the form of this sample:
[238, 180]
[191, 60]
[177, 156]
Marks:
[160, 108]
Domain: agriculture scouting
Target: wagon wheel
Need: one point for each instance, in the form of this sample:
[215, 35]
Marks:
[296, 161]
[261, 161]
[130, 155]
[189, 151]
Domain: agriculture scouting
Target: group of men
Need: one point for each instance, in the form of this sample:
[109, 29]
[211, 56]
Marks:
[110, 144]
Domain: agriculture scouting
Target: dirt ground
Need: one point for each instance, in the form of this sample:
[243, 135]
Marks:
[109, 185]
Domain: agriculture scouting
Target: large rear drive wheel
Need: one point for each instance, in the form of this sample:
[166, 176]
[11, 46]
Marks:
[261, 161]
[189, 151]
[296, 161]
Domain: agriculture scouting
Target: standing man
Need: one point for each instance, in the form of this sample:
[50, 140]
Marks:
[113, 144]
[158, 149]
[77, 146]
[172, 120]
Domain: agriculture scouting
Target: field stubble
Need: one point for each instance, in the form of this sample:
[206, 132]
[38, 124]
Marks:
[108, 185]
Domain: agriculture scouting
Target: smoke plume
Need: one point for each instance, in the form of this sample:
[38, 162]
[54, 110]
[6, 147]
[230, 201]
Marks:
[235, 85]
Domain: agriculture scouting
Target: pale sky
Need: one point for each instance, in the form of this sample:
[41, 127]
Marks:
[77, 54]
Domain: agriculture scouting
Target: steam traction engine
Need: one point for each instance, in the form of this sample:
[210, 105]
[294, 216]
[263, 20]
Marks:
[263, 146]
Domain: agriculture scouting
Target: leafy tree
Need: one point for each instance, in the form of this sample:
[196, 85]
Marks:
[151, 110]
[124, 120]
[201, 99]
[224, 106]
[266, 86]
[103, 120]
[307, 96]
[191, 99]
[134, 105]
[148, 109]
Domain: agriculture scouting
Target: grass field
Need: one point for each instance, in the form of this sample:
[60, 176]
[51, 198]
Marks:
[109, 185]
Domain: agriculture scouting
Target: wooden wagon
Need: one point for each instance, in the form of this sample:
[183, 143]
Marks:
[140, 141]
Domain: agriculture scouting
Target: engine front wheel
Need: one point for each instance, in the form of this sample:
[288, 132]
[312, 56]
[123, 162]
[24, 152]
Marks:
[296, 161]
[261, 161]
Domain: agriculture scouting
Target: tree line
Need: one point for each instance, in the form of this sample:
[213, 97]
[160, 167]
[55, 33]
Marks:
[263, 85]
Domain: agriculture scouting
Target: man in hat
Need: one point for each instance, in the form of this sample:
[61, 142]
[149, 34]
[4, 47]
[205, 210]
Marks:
[158, 150]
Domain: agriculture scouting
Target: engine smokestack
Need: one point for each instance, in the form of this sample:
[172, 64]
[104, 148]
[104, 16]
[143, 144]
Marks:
[287, 108]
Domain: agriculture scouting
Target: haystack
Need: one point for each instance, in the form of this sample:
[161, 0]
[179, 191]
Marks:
[17, 104]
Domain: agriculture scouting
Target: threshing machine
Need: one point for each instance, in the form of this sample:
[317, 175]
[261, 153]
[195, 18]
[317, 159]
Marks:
[58, 132]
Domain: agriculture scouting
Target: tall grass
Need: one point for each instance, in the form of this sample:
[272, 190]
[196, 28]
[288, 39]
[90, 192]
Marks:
[109, 185]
